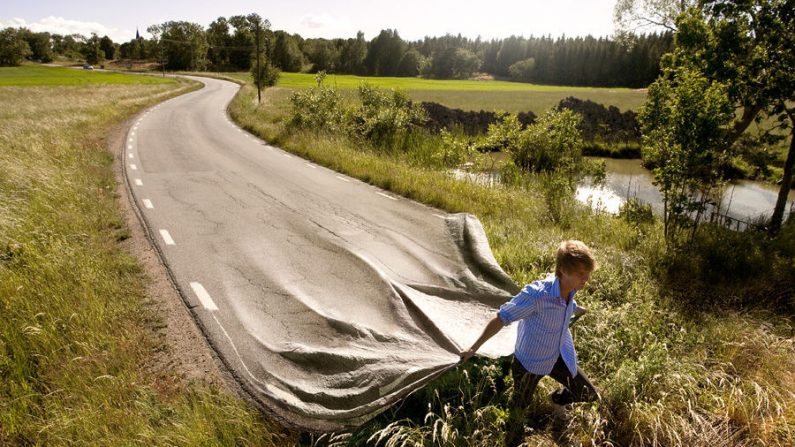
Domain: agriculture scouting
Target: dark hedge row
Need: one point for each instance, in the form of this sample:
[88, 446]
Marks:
[599, 123]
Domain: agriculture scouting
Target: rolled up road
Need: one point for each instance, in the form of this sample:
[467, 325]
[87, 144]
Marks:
[328, 299]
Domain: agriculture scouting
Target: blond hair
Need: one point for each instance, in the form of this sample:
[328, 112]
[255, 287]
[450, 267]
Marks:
[572, 254]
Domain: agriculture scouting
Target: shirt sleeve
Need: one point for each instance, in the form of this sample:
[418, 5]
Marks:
[520, 306]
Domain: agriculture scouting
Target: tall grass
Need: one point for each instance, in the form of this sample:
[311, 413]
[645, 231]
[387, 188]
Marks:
[672, 368]
[75, 332]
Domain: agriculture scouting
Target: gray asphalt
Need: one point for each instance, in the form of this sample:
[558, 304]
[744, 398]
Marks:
[329, 299]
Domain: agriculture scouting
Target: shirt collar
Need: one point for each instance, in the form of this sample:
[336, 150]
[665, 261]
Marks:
[556, 292]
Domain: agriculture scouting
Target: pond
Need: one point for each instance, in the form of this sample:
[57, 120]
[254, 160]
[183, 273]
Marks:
[742, 200]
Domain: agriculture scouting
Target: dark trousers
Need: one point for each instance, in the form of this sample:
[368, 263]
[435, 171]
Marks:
[576, 389]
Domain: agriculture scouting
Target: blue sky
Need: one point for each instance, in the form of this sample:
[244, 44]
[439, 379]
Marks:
[413, 19]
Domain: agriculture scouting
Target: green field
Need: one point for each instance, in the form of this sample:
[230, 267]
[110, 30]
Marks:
[473, 95]
[29, 75]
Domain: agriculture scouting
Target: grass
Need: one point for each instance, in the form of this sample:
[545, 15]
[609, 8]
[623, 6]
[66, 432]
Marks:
[76, 332]
[673, 369]
[473, 95]
[36, 75]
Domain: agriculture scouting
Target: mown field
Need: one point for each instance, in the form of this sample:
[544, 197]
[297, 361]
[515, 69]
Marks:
[77, 337]
[688, 352]
[472, 95]
[36, 75]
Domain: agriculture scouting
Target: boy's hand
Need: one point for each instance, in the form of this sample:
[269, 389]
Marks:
[466, 355]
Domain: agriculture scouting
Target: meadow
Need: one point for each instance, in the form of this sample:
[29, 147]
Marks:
[37, 75]
[679, 361]
[472, 94]
[78, 335]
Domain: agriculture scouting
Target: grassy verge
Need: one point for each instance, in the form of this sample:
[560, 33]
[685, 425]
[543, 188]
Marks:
[672, 370]
[75, 331]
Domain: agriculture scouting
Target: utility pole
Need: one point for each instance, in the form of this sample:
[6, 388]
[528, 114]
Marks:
[259, 71]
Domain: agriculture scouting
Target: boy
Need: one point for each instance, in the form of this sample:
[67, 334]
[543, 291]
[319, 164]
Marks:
[543, 343]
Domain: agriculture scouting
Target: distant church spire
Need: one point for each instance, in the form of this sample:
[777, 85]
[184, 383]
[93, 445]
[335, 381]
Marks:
[137, 36]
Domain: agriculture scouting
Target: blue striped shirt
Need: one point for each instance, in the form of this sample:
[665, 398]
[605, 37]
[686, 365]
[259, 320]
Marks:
[543, 333]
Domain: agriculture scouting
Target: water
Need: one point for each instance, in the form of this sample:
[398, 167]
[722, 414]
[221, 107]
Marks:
[742, 200]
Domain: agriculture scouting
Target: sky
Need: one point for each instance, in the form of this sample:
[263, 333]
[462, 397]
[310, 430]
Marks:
[414, 19]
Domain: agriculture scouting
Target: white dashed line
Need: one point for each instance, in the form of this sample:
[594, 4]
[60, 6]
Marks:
[167, 237]
[288, 155]
[439, 216]
[130, 155]
[203, 296]
[138, 182]
[342, 178]
[148, 204]
[133, 167]
[129, 146]
[311, 166]
[130, 140]
[132, 133]
[388, 197]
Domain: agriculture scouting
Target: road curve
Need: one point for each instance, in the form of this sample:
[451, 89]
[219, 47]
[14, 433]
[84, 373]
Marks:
[328, 299]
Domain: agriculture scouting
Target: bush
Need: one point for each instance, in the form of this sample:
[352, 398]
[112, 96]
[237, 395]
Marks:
[552, 143]
[319, 108]
[386, 118]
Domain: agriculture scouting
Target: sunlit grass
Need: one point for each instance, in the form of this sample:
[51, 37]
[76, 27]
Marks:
[472, 95]
[75, 332]
[31, 75]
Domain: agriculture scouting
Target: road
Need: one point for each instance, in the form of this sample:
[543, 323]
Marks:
[328, 299]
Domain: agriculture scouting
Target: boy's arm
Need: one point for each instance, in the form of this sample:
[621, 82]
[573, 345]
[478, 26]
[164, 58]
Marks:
[489, 331]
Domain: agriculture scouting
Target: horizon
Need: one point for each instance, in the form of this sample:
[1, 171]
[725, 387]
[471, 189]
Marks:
[312, 19]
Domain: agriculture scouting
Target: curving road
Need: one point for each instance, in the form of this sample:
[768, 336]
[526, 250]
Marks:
[328, 299]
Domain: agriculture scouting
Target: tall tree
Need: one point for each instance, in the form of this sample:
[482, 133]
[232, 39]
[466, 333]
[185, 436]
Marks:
[183, 44]
[749, 46]
[13, 47]
[107, 47]
[40, 45]
[91, 50]
[384, 53]
[218, 42]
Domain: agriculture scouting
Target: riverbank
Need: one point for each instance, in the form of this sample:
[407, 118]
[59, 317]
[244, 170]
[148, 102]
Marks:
[671, 369]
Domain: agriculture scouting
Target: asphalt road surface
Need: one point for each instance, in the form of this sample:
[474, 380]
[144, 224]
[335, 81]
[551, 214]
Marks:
[329, 299]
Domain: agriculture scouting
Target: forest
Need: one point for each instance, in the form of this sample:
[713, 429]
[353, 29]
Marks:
[226, 44]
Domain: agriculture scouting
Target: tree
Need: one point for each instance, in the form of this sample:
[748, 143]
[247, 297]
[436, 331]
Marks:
[523, 70]
[218, 42]
[747, 45]
[40, 45]
[107, 47]
[182, 44]
[410, 64]
[631, 16]
[384, 53]
[13, 47]
[683, 122]
[263, 73]
[286, 54]
[454, 63]
[91, 50]
[352, 54]
[241, 44]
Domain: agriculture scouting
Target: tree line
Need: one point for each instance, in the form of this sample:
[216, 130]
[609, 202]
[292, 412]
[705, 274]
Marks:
[228, 43]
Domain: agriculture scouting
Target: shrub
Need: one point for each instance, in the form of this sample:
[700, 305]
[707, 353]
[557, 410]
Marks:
[386, 118]
[552, 143]
[319, 108]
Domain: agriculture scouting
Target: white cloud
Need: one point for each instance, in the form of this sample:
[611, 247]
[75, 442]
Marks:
[325, 25]
[60, 25]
